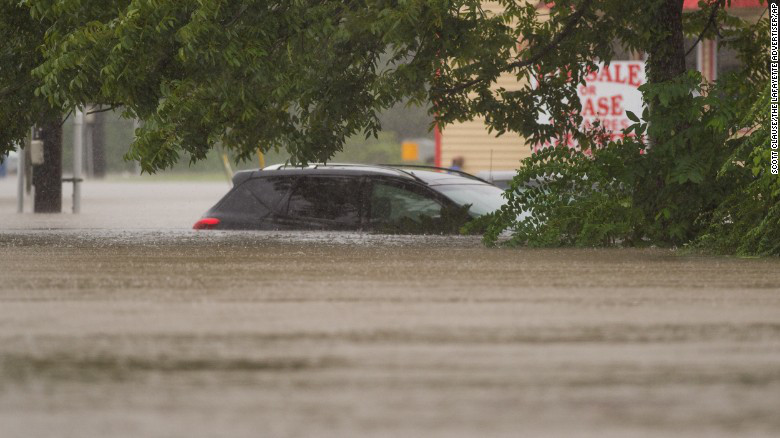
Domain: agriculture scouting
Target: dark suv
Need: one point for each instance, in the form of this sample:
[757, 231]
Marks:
[383, 198]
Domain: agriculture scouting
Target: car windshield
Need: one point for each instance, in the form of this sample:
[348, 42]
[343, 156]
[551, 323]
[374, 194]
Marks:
[483, 198]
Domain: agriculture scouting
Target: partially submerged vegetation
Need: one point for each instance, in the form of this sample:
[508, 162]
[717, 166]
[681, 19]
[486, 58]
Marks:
[717, 195]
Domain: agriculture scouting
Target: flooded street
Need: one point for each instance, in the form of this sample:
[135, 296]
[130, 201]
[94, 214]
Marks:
[123, 322]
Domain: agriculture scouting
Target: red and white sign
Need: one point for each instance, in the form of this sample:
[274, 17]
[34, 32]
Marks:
[606, 96]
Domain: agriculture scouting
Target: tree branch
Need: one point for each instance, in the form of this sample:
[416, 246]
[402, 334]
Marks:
[568, 29]
[238, 15]
[65, 119]
[102, 110]
[14, 88]
[710, 22]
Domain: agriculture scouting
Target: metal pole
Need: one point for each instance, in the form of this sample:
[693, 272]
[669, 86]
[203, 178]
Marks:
[20, 167]
[136, 164]
[78, 142]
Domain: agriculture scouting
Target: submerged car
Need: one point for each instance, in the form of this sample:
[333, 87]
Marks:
[382, 198]
[499, 178]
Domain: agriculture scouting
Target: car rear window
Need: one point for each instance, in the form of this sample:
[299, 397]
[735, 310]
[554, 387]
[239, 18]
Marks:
[258, 196]
[326, 198]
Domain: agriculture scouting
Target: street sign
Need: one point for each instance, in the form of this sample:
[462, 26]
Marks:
[606, 96]
[410, 151]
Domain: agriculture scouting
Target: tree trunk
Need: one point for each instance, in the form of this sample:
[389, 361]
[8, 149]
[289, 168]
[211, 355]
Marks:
[47, 177]
[666, 54]
[666, 61]
[666, 57]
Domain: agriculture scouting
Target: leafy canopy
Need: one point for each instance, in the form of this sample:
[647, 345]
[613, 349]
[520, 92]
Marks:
[303, 75]
[298, 75]
[20, 107]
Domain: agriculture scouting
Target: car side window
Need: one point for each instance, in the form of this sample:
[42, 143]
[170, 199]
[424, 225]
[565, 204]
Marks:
[257, 197]
[392, 203]
[328, 198]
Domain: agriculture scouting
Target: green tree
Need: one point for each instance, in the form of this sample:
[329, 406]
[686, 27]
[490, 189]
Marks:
[21, 106]
[700, 176]
[301, 76]
[19, 54]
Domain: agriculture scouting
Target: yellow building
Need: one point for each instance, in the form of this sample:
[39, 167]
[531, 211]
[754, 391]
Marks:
[481, 150]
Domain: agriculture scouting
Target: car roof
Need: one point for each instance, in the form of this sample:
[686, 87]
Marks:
[496, 175]
[426, 174]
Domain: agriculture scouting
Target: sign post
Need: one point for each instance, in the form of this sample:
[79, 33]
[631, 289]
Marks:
[21, 167]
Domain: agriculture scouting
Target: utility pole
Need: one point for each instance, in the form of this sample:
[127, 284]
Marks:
[98, 144]
[78, 155]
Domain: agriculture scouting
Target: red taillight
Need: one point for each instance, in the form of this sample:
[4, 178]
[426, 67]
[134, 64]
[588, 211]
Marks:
[207, 223]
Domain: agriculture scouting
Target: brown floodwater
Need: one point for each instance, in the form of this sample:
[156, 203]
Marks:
[135, 326]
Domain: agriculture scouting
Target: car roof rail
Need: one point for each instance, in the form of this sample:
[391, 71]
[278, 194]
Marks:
[443, 169]
[317, 165]
[396, 167]
[409, 174]
[282, 166]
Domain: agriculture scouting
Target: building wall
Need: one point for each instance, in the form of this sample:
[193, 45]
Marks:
[482, 150]
[471, 140]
